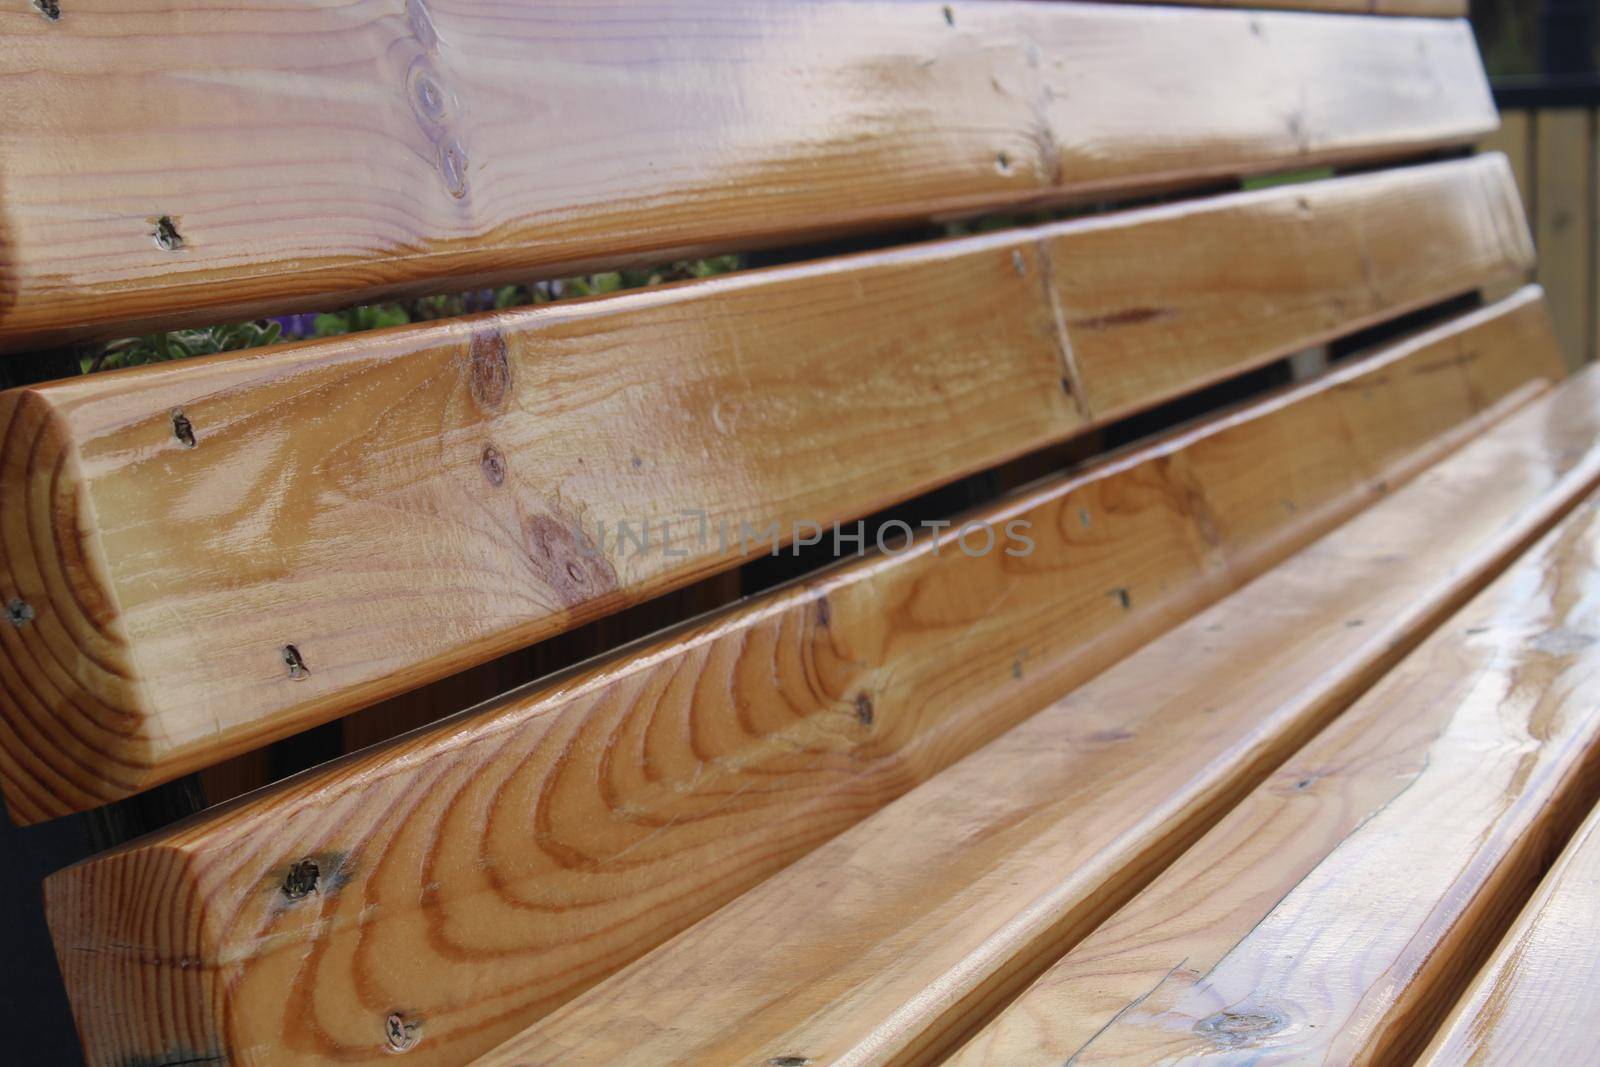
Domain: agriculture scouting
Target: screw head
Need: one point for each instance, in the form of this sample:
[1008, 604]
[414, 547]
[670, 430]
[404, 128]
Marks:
[295, 663]
[301, 881]
[168, 239]
[401, 1034]
[20, 612]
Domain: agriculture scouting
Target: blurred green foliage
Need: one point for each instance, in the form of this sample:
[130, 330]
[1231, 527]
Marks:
[181, 344]
[1289, 177]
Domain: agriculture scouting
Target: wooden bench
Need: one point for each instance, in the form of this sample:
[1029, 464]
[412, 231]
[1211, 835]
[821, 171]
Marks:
[1165, 541]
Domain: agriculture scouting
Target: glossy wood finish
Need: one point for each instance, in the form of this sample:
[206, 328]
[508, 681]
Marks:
[314, 154]
[1273, 272]
[1537, 999]
[889, 943]
[1334, 915]
[400, 505]
[479, 874]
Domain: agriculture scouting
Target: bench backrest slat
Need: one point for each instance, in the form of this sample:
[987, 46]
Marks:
[216, 553]
[178, 162]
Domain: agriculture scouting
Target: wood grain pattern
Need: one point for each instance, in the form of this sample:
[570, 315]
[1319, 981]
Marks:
[1564, 225]
[888, 943]
[1276, 274]
[476, 875]
[1539, 996]
[315, 154]
[400, 505]
[1333, 916]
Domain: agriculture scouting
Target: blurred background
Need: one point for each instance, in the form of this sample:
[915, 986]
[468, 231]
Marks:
[1543, 58]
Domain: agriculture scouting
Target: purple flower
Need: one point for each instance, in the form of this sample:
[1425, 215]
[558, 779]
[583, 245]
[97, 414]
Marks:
[296, 327]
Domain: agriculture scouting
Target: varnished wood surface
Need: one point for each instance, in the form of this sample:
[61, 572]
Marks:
[313, 154]
[1335, 914]
[889, 943]
[400, 505]
[476, 875]
[1275, 271]
[1537, 1000]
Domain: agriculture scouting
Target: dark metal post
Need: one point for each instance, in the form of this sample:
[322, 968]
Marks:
[1567, 37]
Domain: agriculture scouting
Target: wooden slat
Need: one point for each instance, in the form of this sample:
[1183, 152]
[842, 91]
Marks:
[1564, 225]
[400, 505]
[1275, 275]
[1333, 915]
[1537, 999]
[479, 874]
[892, 941]
[314, 154]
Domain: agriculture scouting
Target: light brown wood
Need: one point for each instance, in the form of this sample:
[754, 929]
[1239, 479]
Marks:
[314, 154]
[1564, 226]
[889, 943]
[1334, 914]
[1537, 999]
[400, 505]
[1275, 272]
[476, 875]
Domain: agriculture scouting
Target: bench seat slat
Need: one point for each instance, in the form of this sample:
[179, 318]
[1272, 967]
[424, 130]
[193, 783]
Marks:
[484, 871]
[1333, 916]
[1537, 999]
[399, 505]
[305, 156]
[893, 941]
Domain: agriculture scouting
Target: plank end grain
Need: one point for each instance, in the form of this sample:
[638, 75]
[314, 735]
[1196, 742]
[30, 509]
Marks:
[74, 735]
[103, 948]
